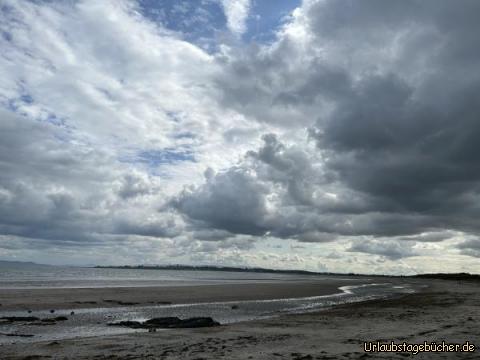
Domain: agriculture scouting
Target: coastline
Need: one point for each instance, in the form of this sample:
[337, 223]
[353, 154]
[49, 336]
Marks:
[446, 310]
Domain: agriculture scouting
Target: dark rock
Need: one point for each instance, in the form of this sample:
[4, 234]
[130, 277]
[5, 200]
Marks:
[21, 335]
[164, 321]
[72, 313]
[52, 311]
[197, 322]
[29, 311]
[19, 318]
[175, 322]
[60, 318]
[128, 323]
[169, 323]
[234, 307]
[15, 334]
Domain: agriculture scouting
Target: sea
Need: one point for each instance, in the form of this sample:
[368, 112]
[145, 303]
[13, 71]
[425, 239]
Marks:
[40, 276]
[93, 321]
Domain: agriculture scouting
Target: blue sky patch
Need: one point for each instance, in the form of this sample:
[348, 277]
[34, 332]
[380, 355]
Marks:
[265, 17]
[203, 22]
[155, 158]
[197, 20]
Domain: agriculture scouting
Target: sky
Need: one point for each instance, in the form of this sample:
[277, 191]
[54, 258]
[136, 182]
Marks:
[325, 135]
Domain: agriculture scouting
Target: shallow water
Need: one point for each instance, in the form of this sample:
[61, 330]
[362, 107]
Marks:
[79, 277]
[93, 322]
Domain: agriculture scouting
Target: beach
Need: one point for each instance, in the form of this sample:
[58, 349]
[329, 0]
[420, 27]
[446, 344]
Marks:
[441, 310]
[68, 298]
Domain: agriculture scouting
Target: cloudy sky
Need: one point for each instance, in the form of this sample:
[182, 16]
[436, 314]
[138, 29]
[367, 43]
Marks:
[337, 136]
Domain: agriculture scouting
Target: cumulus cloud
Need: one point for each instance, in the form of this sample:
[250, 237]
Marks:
[277, 190]
[357, 122]
[236, 12]
[395, 129]
[103, 71]
[232, 201]
[62, 191]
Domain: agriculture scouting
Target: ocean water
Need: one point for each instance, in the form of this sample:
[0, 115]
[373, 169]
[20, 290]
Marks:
[32, 277]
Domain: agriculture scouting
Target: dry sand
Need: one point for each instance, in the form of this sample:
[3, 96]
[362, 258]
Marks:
[446, 310]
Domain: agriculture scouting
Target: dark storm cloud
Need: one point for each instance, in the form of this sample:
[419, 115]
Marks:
[389, 140]
[279, 191]
[232, 201]
[470, 247]
[412, 159]
[389, 91]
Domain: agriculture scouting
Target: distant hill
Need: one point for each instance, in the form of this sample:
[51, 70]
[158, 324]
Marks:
[21, 264]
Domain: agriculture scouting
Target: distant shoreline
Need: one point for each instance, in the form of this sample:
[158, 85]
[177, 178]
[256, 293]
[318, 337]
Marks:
[444, 276]
[213, 268]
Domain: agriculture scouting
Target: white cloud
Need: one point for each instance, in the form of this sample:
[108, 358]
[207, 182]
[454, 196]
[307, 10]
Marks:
[117, 81]
[237, 12]
[108, 115]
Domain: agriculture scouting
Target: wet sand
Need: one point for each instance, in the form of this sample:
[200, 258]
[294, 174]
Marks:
[446, 310]
[65, 299]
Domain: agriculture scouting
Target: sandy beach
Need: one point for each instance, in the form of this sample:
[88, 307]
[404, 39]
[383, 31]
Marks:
[66, 298]
[444, 311]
